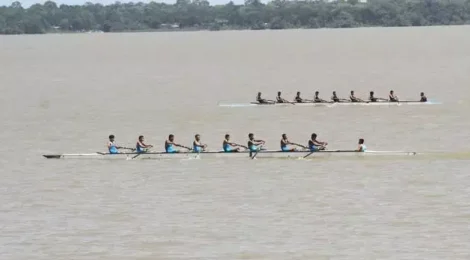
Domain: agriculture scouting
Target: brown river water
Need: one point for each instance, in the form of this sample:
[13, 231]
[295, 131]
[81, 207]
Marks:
[67, 93]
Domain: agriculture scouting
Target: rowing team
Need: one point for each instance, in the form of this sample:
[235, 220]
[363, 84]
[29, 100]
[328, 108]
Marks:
[253, 145]
[334, 98]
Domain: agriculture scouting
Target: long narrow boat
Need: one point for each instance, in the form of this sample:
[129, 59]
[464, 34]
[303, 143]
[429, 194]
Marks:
[221, 154]
[329, 104]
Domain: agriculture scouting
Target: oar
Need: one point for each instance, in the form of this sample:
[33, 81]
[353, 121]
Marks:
[299, 145]
[308, 155]
[141, 153]
[185, 147]
[253, 157]
[239, 145]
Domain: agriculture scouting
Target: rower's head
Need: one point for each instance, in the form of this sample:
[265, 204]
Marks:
[141, 138]
[391, 92]
[279, 93]
[171, 137]
[259, 94]
[334, 93]
[284, 136]
[251, 136]
[227, 137]
[422, 94]
[111, 138]
[352, 92]
[361, 141]
[317, 93]
[314, 136]
[371, 93]
[298, 93]
[197, 137]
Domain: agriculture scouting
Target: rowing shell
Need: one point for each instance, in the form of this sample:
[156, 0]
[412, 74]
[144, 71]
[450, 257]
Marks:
[328, 104]
[260, 154]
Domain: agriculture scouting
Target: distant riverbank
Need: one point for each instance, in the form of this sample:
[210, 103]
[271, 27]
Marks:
[254, 15]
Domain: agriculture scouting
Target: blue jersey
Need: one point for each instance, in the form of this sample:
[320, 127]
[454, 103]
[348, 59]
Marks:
[363, 148]
[312, 147]
[197, 148]
[169, 148]
[226, 147]
[139, 148]
[112, 148]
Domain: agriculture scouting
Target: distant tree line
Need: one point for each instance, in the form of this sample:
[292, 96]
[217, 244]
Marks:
[200, 15]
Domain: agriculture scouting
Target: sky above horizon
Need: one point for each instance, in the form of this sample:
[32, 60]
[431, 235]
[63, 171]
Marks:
[27, 3]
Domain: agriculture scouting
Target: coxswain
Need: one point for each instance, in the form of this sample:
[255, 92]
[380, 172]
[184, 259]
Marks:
[262, 100]
[298, 99]
[112, 147]
[423, 98]
[362, 147]
[353, 98]
[140, 146]
[170, 145]
[315, 145]
[279, 99]
[197, 145]
[317, 99]
[253, 144]
[392, 97]
[230, 147]
[335, 98]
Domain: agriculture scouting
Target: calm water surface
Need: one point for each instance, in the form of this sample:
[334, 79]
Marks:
[67, 93]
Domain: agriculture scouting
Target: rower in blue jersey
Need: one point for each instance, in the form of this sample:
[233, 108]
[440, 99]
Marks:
[197, 145]
[285, 142]
[230, 147]
[315, 145]
[170, 145]
[112, 147]
[140, 146]
[253, 144]
[362, 147]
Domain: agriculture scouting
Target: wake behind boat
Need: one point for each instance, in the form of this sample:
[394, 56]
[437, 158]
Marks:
[223, 154]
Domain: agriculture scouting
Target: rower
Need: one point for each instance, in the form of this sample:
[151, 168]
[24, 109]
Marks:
[298, 99]
[372, 98]
[392, 97]
[315, 145]
[279, 99]
[140, 146]
[253, 144]
[197, 145]
[261, 100]
[353, 98]
[317, 99]
[423, 98]
[170, 145]
[285, 142]
[230, 147]
[362, 147]
[112, 147]
[335, 98]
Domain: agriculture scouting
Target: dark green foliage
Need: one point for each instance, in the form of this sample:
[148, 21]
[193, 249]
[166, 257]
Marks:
[253, 14]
